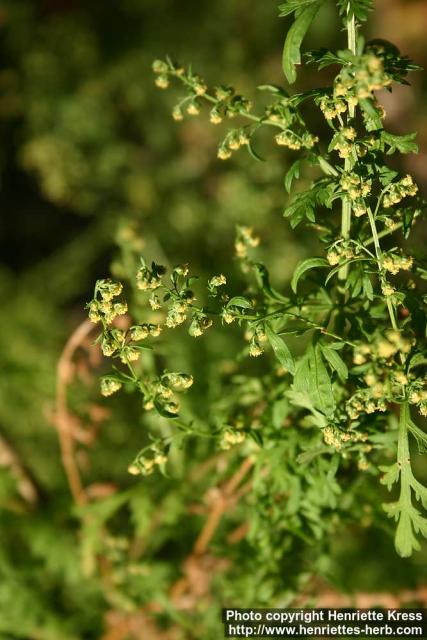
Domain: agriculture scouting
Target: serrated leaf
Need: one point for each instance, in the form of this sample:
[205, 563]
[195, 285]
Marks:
[391, 475]
[419, 435]
[291, 50]
[322, 57]
[306, 265]
[405, 541]
[290, 6]
[403, 144]
[358, 8]
[281, 350]
[336, 362]
[420, 492]
[417, 360]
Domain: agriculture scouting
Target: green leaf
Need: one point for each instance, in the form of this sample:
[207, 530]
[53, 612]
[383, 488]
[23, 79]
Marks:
[273, 88]
[417, 360]
[293, 5]
[358, 8]
[291, 174]
[371, 115]
[419, 435]
[322, 57]
[312, 378]
[253, 153]
[256, 436]
[301, 206]
[336, 362]
[163, 411]
[410, 521]
[306, 265]
[367, 287]
[301, 399]
[264, 282]
[391, 475]
[420, 492]
[239, 301]
[405, 541]
[291, 50]
[403, 144]
[307, 456]
[280, 349]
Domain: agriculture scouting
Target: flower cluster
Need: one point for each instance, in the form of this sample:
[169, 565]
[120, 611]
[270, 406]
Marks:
[102, 308]
[109, 385]
[365, 401]
[358, 80]
[382, 348]
[199, 324]
[293, 141]
[418, 395]
[341, 250]
[394, 262]
[245, 240]
[144, 465]
[343, 142]
[158, 392]
[332, 108]
[233, 141]
[355, 186]
[336, 438]
[399, 190]
[149, 278]
[231, 437]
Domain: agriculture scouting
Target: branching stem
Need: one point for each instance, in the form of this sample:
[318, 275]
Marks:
[346, 204]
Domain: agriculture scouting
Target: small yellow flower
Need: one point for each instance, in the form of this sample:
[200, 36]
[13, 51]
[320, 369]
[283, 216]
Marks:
[255, 350]
[108, 386]
[214, 117]
[200, 89]
[224, 153]
[333, 258]
[400, 377]
[134, 470]
[177, 114]
[155, 330]
[193, 109]
[387, 289]
[162, 82]
[386, 349]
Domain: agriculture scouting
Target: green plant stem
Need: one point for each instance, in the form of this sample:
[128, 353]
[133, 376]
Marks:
[326, 167]
[403, 458]
[384, 233]
[378, 253]
[348, 163]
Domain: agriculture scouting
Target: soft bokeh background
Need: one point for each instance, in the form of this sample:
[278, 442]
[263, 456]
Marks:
[93, 171]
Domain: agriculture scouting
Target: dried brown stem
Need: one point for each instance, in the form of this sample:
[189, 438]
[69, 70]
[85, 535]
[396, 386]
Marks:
[63, 419]
[24, 483]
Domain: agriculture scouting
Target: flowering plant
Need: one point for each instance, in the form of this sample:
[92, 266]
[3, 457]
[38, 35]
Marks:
[332, 411]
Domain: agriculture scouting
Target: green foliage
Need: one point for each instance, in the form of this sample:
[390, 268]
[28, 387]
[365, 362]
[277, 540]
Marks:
[358, 8]
[291, 50]
[284, 382]
[341, 392]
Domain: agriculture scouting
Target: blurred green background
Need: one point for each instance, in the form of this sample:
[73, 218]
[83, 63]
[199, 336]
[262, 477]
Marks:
[93, 171]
